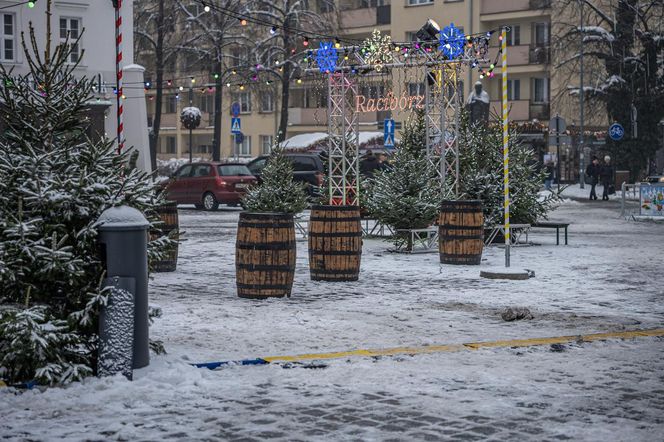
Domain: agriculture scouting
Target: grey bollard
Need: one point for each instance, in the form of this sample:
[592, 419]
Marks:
[123, 235]
[116, 329]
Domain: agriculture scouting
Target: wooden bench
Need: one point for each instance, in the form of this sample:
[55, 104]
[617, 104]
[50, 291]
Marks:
[553, 225]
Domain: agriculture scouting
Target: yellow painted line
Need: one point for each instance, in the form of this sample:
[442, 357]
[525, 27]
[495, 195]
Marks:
[469, 346]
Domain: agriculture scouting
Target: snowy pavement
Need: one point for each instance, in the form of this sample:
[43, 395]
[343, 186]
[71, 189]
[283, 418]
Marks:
[608, 279]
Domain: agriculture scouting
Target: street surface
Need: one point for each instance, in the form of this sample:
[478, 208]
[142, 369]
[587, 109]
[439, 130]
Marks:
[608, 279]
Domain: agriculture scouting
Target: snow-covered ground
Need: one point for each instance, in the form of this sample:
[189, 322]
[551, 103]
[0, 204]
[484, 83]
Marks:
[608, 278]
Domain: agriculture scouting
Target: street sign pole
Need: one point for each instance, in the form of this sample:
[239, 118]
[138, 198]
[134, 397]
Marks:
[506, 150]
[558, 152]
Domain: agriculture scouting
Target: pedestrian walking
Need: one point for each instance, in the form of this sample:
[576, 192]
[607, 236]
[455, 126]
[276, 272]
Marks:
[605, 177]
[369, 164]
[592, 172]
[548, 179]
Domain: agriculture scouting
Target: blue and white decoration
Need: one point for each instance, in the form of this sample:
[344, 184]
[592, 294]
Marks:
[452, 41]
[616, 132]
[327, 57]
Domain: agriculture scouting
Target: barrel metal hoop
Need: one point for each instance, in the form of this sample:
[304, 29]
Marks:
[335, 220]
[335, 208]
[460, 237]
[460, 210]
[264, 267]
[468, 227]
[264, 287]
[287, 245]
[334, 253]
[264, 225]
[335, 234]
[341, 273]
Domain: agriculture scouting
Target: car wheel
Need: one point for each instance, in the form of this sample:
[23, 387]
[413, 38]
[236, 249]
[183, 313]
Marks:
[210, 202]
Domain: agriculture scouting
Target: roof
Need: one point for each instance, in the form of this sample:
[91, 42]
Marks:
[309, 140]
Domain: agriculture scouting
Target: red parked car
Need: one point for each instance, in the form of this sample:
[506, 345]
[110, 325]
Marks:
[209, 184]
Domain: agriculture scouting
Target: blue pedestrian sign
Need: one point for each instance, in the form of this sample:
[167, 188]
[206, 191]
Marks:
[388, 140]
[235, 109]
[616, 132]
[235, 125]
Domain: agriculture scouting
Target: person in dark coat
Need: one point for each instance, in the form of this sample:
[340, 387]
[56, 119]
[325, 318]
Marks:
[369, 164]
[606, 177]
[550, 171]
[592, 171]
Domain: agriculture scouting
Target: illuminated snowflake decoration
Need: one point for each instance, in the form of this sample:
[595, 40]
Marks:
[452, 41]
[327, 57]
[377, 50]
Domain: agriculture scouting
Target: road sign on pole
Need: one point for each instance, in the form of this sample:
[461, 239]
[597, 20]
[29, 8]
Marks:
[235, 125]
[616, 132]
[388, 140]
[235, 109]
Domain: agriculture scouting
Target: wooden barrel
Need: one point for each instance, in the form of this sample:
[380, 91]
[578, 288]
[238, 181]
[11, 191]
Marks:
[461, 232]
[265, 255]
[168, 213]
[335, 243]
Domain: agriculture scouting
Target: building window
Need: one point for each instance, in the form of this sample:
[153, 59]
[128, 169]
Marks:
[541, 34]
[540, 90]
[266, 144]
[513, 90]
[8, 38]
[207, 103]
[419, 2]
[411, 36]
[514, 35]
[70, 31]
[267, 101]
[170, 145]
[416, 89]
[239, 57]
[325, 6]
[243, 149]
[244, 98]
[171, 104]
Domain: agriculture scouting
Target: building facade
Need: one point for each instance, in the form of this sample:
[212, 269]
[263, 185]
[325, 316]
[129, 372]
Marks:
[91, 20]
[529, 84]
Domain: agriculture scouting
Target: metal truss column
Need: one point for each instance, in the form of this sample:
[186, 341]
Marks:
[343, 131]
[442, 110]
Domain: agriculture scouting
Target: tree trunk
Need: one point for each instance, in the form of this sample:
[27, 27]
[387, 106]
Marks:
[159, 65]
[216, 139]
[285, 100]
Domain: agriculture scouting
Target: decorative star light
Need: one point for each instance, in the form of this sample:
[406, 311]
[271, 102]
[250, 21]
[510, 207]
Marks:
[377, 50]
[452, 41]
[327, 57]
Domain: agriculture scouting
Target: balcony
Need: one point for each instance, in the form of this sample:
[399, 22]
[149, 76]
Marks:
[539, 55]
[363, 14]
[502, 6]
[539, 111]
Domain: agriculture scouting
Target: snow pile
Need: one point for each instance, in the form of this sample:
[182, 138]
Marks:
[597, 31]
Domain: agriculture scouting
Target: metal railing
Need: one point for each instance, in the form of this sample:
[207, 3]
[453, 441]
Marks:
[625, 188]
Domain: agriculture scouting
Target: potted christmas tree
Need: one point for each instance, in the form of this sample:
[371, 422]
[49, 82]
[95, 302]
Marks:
[407, 195]
[265, 246]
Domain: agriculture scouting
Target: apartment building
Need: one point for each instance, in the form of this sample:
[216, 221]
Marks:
[529, 86]
[93, 22]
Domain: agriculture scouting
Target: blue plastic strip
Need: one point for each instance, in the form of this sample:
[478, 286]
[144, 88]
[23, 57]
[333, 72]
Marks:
[215, 365]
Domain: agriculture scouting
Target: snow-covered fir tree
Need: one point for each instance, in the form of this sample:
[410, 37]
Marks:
[277, 191]
[54, 183]
[481, 173]
[407, 194]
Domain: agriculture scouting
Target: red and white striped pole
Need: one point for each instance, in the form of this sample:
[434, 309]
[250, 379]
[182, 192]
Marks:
[118, 71]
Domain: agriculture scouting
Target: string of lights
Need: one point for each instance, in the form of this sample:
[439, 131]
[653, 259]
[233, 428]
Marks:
[30, 4]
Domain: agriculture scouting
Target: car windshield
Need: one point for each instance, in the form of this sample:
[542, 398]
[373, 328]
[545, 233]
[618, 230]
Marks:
[234, 170]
